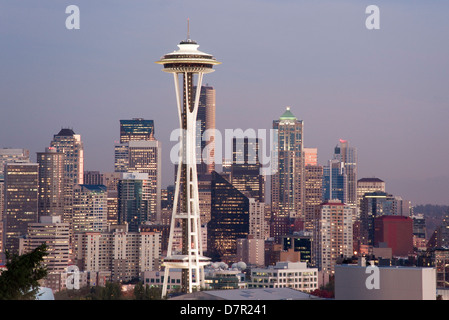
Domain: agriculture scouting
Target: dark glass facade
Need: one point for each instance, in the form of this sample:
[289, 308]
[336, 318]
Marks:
[51, 182]
[335, 181]
[133, 203]
[300, 244]
[21, 202]
[245, 168]
[136, 129]
[205, 121]
[229, 219]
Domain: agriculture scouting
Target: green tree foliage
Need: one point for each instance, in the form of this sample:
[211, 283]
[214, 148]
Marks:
[153, 293]
[111, 291]
[146, 292]
[21, 279]
[139, 291]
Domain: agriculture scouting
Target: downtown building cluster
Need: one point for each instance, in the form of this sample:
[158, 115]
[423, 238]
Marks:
[290, 228]
[89, 220]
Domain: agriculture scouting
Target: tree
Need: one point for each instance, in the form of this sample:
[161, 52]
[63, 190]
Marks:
[21, 279]
[327, 291]
[139, 291]
[322, 293]
[152, 293]
[146, 292]
[111, 291]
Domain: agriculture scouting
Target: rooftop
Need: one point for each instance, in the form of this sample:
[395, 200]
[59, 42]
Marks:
[370, 180]
[333, 202]
[287, 115]
[95, 187]
[66, 132]
[248, 294]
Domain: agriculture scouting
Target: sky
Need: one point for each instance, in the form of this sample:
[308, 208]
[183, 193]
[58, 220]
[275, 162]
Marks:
[385, 90]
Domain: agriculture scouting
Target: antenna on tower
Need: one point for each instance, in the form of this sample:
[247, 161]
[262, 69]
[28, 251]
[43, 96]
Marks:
[188, 28]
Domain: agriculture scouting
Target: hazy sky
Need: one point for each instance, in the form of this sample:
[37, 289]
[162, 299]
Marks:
[386, 91]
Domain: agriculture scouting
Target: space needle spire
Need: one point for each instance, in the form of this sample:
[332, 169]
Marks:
[188, 28]
[186, 64]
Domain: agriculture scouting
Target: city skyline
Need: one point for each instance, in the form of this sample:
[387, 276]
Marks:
[382, 90]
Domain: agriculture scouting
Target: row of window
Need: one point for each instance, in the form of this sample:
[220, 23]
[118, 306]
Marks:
[283, 280]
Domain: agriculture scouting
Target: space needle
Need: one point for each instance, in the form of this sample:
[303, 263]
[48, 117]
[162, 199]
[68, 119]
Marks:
[186, 64]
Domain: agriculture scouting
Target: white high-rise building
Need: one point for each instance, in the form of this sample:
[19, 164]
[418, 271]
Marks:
[257, 222]
[55, 234]
[125, 254]
[70, 144]
[333, 236]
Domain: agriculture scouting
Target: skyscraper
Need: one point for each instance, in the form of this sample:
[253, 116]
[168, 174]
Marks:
[367, 185]
[9, 155]
[335, 181]
[313, 186]
[136, 129]
[51, 182]
[140, 152]
[13, 155]
[93, 177]
[229, 219]
[204, 194]
[134, 200]
[348, 156]
[21, 202]
[287, 183]
[310, 156]
[145, 157]
[121, 157]
[373, 205]
[206, 117]
[187, 62]
[333, 234]
[122, 254]
[90, 210]
[257, 221]
[111, 180]
[70, 144]
[246, 168]
[55, 234]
